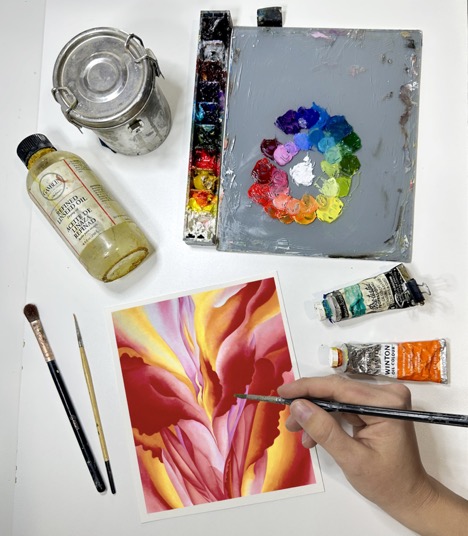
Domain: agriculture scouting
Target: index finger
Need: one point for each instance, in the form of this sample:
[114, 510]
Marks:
[342, 389]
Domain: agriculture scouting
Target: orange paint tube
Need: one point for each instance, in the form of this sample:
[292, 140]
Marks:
[411, 361]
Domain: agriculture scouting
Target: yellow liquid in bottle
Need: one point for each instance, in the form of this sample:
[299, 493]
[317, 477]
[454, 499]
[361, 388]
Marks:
[114, 251]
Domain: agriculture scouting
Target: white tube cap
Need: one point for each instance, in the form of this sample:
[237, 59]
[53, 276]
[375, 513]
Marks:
[320, 310]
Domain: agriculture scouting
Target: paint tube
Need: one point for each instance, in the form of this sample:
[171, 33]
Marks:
[412, 361]
[394, 289]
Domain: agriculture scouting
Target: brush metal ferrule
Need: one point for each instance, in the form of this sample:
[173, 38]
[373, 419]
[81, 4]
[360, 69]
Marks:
[41, 337]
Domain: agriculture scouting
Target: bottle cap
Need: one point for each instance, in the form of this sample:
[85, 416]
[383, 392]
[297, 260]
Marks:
[31, 145]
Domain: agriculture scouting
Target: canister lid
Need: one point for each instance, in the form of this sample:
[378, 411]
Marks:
[102, 77]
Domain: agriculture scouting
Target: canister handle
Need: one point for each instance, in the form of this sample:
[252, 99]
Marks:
[66, 91]
[148, 56]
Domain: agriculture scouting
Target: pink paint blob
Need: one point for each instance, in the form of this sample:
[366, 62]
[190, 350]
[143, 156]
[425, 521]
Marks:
[285, 153]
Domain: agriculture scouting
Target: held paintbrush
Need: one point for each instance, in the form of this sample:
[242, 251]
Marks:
[32, 314]
[372, 411]
[92, 396]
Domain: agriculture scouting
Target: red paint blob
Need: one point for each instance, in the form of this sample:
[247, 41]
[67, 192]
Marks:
[268, 147]
[205, 160]
[261, 173]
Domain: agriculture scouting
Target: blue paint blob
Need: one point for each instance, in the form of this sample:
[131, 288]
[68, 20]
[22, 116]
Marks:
[302, 140]
[207, 113]
[307, 117]
[326, 143]
[323, 115]
[315, 135]
[338, 127]
[288, 122]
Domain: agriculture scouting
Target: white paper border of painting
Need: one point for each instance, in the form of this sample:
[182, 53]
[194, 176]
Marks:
[317, 487]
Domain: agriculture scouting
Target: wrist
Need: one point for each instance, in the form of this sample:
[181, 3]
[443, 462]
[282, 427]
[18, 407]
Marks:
[432, 510]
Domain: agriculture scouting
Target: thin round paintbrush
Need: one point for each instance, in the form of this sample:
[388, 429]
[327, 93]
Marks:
[32, 314]
[453, 419]
[94, 405]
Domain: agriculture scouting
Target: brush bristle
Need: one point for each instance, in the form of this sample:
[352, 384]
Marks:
[30, 312]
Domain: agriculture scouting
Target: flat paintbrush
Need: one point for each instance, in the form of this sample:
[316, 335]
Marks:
[32, 314]
[371, 411]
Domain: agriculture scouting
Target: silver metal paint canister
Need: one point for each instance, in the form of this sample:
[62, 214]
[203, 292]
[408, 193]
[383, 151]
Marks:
[105, 80]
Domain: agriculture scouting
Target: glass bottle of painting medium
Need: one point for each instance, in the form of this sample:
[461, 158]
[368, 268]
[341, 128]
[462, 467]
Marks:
[95, 227]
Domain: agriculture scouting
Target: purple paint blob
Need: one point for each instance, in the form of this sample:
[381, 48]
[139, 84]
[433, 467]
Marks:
[288, 122]
[285, 153]
[268, 147]
[208, 91]
[307, 117]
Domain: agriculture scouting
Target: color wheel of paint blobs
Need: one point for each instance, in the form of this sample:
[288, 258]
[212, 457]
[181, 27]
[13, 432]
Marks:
[313, 129]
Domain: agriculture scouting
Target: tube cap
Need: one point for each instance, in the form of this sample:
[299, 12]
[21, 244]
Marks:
[330, 356]
[31, 145]
[335, 357]
[321, 311]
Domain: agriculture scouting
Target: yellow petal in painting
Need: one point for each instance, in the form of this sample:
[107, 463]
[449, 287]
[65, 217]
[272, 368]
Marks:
[161, 481]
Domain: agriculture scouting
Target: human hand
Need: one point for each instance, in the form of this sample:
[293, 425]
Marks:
[381, 459]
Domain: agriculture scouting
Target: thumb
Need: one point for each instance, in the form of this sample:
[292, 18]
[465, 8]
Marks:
[326, 432]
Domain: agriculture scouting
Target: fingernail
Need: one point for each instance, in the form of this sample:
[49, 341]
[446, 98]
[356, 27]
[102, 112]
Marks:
[301, 411]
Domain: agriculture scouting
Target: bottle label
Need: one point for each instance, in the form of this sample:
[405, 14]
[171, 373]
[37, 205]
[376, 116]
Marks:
[70, 195]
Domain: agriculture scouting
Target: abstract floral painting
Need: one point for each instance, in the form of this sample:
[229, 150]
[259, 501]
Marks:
[195, 446]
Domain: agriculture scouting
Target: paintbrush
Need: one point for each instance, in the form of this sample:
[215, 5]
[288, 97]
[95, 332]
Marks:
[32, 314]
[92, 396]
[371, 411]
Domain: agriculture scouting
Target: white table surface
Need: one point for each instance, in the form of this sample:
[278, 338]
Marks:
[44, 486]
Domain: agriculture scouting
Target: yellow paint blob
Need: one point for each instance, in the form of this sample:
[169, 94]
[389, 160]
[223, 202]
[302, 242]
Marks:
[329, 209]
[204, 179]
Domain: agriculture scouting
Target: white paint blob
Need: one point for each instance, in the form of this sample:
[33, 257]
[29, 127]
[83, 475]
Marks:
[303, 173]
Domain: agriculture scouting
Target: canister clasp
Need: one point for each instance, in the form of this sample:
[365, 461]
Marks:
[148, 56]
[66, 91]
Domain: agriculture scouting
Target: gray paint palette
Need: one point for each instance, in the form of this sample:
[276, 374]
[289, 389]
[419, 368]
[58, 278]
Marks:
[371, 77]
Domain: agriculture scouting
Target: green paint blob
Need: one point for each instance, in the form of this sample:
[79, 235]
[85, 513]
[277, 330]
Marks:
[344, 149]
[344, 186]
[332, 170]
[353, 141]
[350, 165]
